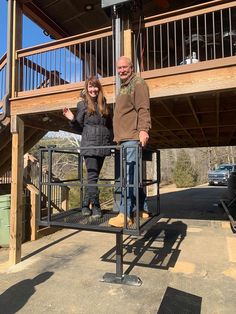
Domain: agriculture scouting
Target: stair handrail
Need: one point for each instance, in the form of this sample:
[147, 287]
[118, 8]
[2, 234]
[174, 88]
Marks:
[3, 61]
[6, 102]
[31, 169]
[3, 64]
[31, 165]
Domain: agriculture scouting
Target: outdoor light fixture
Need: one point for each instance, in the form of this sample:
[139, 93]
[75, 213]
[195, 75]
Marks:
[88, 7]
[109, 3]
[45, 33]
[45, 119]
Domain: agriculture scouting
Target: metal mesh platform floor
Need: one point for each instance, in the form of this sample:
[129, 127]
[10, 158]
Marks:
[75, 216]
[75, 219]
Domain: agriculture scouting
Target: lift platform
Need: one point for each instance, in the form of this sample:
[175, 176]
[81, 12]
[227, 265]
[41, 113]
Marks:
[73, 218]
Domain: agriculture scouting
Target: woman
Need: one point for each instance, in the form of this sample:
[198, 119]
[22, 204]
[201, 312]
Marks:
[94, 120]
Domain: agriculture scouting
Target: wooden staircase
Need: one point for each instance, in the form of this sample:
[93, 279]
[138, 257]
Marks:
[59, 201]
[31, 137]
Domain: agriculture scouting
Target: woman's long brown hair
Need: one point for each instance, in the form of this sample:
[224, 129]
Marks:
[101, 102]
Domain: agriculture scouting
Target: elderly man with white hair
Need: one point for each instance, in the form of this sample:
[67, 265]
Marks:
[131, 123]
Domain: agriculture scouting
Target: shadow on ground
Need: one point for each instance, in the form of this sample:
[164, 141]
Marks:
[15, 297]
[177, 301]
[158, 248]
[48, 245]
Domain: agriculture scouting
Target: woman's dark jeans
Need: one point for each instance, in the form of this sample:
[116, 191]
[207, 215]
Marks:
[94, 165]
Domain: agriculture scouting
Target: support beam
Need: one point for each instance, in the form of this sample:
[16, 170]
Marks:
[16, 43]
[191, 105]
[178, 84]
[34, 204]
[119, 277]
[128, 43]
[43, 20]
[56, 100]
[16, 190]
[168, 130]
[217, 117]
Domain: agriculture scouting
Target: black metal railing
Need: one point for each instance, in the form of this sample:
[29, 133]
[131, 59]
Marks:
[187, 38]
[73, 217]
[195, 34]
[66, 61]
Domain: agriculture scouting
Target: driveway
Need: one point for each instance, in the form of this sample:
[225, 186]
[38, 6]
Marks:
[187, 263]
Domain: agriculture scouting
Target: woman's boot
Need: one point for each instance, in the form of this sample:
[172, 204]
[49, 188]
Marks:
[86, 211]
[96, 209]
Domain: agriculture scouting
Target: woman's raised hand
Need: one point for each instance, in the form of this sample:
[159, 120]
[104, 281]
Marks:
[68, 114]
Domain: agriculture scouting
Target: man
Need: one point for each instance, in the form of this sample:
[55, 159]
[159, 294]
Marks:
[131, 124]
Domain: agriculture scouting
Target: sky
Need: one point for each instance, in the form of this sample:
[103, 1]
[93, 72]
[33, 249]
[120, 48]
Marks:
[32, 34]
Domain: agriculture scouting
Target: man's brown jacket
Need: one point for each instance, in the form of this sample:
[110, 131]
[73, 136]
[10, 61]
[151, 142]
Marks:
[132, 110]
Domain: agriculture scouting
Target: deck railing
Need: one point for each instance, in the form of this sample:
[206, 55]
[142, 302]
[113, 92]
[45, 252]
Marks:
[5, 178]
[66, 61]
[3, 63]
[59, 194]
[202, 33]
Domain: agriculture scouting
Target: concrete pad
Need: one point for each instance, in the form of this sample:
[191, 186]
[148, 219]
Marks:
[195, 230]
[183, 267]
[231, 272]
[226, 225]
[186, 263]
[4, 267]
[231, 246]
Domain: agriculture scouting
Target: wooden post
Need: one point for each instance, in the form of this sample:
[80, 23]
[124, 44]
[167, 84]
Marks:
[17, 129]
[65, 197]
[34, 204]
[27, 168]
[34, 216]
[128, 43]
[16, 44]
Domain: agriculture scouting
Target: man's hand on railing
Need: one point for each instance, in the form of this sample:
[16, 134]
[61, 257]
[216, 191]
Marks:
[143, 137]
